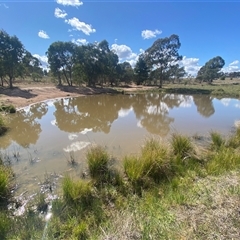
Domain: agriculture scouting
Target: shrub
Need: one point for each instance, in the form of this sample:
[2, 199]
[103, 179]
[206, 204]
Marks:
[4, 225]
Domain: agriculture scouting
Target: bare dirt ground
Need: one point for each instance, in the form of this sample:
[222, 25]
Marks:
[25, 94]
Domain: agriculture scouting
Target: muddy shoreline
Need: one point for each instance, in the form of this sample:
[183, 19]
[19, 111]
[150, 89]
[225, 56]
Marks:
[25, 95]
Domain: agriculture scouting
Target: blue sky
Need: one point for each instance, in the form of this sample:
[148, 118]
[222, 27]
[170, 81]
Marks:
[206, 28]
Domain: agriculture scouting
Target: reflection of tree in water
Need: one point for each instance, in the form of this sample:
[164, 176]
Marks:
[152, 111]
[204, 105]
[24, 128]
[93, 112]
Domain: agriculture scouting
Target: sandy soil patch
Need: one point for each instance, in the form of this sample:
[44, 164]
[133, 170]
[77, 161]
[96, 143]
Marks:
[24, 95]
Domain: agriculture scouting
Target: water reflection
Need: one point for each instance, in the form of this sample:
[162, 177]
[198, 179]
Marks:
[204, 105]
[24, 126]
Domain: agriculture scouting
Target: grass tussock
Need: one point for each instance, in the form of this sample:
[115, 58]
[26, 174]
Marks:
[168, 191]
[3, 127]
[7, 108]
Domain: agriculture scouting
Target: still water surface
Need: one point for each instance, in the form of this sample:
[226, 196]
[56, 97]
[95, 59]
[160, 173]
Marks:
[44, 135]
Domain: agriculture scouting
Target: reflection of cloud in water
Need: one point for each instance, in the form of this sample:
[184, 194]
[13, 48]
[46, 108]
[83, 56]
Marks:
[86, 130]
[237, 105]
[237, 123]
[124, 112]
[72, 136]
[50, 103]
[185, 102]
[225, 101]
[76, 146]
[53, 122]
[162, 108]
[139, 124]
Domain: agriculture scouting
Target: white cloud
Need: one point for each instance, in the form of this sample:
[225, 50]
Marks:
[60, 13]
[43, 34]
[225, 101]
[236, 62]
[190, 65]
[43, 60]
[147, 34]
[74, 3]
[232, 67]
[124, 112]
[125, 53]
[76, 146]
[80, 26]
[80, 41]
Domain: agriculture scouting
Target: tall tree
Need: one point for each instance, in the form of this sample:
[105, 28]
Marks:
[141, 70]
[211, 69]
[11, 55]
[61, 59]
[163, 54]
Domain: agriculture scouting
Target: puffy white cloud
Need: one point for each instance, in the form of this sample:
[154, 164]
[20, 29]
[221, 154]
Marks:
[124, 112]
[232, 67]
[190, 65]
[60, 13]
[147, 34]
[125, 53]
[43, 60]
[74, 3]
[43, 34]
[80, 41]
[80, 26]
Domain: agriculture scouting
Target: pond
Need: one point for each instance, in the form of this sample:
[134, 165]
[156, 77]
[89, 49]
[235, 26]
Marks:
[45, 136]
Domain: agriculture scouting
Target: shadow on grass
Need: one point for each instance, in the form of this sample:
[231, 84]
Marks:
[87, 90]
[188, 90]
[17, 92]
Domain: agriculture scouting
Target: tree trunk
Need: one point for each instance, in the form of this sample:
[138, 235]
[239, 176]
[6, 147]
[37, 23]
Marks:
[10, 82]
[59, 80]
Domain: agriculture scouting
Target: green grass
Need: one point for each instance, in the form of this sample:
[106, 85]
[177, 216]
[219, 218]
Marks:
[98, 163]
[170, 190]
[3, 127]
[7, 108]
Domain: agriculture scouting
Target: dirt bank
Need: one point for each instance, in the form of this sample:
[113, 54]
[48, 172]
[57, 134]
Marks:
[24, 95]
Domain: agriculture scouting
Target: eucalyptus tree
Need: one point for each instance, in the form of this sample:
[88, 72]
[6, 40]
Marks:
[125, 72]
[11, 54]
[61, 60]
[211, 69]
[141, 70]
[162, 55]
[94, 62]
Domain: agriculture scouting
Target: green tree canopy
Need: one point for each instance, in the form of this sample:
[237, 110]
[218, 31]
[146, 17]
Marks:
[141, 70]
[11, 54]
[61, 59]
[211, 69]
[162, 55]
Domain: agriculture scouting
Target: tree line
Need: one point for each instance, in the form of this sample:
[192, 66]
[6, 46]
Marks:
[96, 64]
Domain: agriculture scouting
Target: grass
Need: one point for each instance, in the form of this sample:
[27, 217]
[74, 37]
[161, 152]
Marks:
[3, 127]
[7, 108]
[170, 190]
